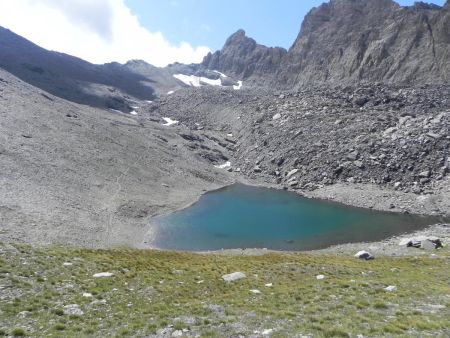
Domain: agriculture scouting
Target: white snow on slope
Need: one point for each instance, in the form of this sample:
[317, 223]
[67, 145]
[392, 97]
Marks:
[239, 86]
[223, 166]
[197, 81]
[221, 74]
[169, 121]
[170, 92]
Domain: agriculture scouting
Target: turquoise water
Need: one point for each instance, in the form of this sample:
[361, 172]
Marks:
[242, 216]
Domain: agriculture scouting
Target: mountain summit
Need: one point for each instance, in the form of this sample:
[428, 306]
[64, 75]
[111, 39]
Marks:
[244, 58]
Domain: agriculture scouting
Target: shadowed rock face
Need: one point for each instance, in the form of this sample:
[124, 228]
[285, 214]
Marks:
[111, 85]
[344, 41]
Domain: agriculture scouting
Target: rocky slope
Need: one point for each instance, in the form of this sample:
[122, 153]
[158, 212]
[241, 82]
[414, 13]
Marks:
[89, 177]
[390, 136]
[344, 41]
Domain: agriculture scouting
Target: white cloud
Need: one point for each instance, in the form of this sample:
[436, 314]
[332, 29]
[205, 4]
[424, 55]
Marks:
[98, 31]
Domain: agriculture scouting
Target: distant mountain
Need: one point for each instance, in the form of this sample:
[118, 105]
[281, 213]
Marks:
[111, 85]
[348, 41]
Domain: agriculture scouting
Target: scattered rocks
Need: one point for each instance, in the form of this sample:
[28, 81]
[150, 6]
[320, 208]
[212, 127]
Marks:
[422, 242]
[233, 276]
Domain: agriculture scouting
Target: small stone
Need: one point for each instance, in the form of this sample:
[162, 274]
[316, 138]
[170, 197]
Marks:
[427, 245]
[291, 173]
[177, 333]
[98, 302]
[67, 264]
[255, 291]
[425, 174]
[390, 288]
[103, 274]
[87, 295]
[233, 276]
[267, 332]
[364, 255]
[320, 277]
[73, 310]
[359, 164]
[276, 117]
[268, 285]
[23, 314]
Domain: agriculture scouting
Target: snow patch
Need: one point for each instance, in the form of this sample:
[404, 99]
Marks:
[134, 112]
[169, 121]
[170, 92]
[197, 81]
[223, 166]
[238, 86]
[221, 74]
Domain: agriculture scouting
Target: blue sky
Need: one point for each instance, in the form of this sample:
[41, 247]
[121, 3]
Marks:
[210, 22]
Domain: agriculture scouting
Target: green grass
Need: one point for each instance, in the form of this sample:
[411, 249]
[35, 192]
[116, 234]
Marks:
[152, 290]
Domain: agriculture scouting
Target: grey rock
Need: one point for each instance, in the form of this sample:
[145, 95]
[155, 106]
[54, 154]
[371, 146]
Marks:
[291, 173]
[233, 276]
[364, 255]
[73, 310]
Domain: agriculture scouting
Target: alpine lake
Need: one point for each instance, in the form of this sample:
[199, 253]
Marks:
[241, 216]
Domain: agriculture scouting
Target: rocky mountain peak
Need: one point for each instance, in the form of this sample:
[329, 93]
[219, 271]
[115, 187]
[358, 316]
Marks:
[237, 38]
[242, 58]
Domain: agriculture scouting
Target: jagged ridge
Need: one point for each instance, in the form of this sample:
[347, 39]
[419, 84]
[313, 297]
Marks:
[344, 41]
